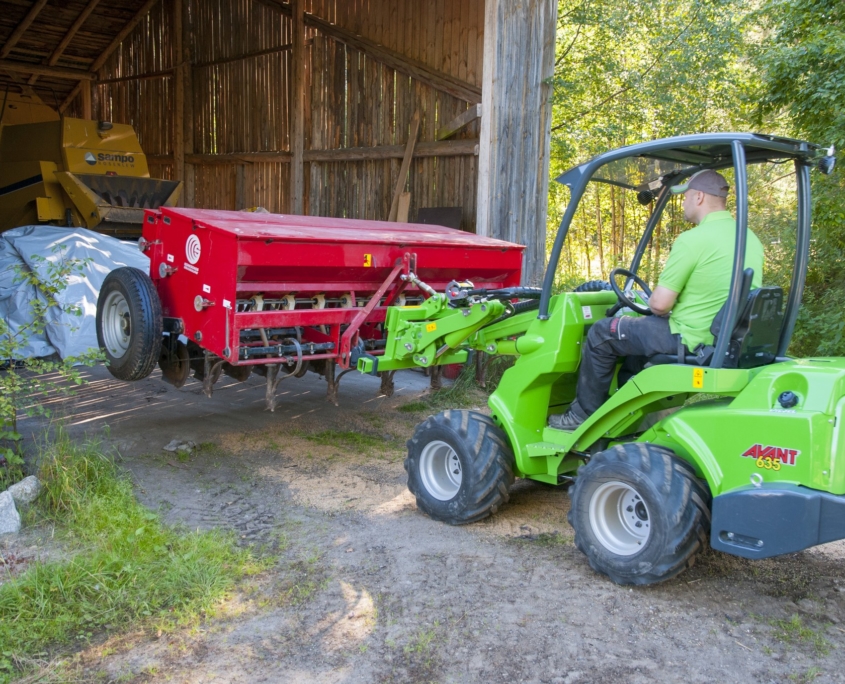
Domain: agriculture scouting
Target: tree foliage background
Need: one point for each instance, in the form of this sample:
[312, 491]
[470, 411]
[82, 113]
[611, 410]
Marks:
[628, 71]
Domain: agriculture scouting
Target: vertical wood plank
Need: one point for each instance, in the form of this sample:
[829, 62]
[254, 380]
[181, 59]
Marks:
[297, 170]
[85, 90]
[179, 109]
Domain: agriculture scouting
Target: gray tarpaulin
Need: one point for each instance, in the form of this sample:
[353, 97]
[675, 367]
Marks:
[65, 334]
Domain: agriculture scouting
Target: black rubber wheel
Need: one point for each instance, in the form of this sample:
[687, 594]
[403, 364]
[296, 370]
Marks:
[460, 466]
[639, 513]
[129, 323]
[593, 286]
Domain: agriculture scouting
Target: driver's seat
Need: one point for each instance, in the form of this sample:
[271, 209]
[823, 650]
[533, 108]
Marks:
[754, 338]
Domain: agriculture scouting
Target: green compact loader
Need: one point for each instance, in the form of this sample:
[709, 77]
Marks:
[758, 462]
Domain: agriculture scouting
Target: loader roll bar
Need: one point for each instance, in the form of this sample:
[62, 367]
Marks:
[802, 256]
[735, 292]
[671, 160]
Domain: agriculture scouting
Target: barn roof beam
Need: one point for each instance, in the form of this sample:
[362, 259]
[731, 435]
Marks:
[37, 6]
[422, 150]
[118, 39]
[41, 70]
[411, 67]
[53, 59]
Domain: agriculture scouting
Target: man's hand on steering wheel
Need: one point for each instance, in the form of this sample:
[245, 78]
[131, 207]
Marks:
[625, 296]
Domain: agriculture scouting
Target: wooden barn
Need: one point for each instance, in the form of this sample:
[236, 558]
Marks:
[436, 111]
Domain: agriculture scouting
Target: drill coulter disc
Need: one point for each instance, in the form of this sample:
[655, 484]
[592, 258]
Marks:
[175, 363]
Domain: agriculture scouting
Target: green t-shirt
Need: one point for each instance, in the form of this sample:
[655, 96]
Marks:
[699, 270]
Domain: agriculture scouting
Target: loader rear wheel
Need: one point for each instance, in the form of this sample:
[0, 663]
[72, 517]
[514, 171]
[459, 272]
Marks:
[460, 466]
[639, 513]
[129, 323]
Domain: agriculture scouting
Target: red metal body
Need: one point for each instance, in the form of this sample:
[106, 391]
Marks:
[237, 282]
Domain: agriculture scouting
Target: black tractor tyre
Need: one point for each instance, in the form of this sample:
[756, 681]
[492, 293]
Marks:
[639, 513]
[593, 286]
[460, 466]
[129, 323]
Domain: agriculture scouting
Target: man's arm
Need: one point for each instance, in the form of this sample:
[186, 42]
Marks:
[680, 264]
[662, 300]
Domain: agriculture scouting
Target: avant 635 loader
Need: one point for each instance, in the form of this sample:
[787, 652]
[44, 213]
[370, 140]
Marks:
[759, 463]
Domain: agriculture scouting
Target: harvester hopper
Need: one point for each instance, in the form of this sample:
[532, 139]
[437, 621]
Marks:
[78, 173]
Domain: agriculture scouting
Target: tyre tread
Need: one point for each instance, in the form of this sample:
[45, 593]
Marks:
[489, 468]
[684, 494]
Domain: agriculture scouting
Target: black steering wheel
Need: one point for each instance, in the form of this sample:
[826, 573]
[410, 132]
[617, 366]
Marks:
[623, 296]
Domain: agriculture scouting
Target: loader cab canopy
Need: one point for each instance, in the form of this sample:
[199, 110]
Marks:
[644, 167]
[650, 168]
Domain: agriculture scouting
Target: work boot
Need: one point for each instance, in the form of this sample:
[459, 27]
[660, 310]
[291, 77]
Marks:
[565, 421]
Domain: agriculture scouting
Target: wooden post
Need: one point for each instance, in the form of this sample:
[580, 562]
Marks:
[179, 95]
[189, 190]
[94, 91]
[297, 138]
[513, 166]
[86, 100]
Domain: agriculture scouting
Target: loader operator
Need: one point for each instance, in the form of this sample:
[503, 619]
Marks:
[692, 288]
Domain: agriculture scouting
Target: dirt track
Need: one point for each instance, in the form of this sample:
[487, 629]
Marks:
[366, 589]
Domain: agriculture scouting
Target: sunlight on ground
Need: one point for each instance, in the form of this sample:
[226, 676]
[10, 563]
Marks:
[341, 629]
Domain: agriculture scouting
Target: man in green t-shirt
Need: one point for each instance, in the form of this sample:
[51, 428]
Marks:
[693, 287]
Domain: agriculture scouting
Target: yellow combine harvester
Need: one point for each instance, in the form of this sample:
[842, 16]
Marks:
[73, 172]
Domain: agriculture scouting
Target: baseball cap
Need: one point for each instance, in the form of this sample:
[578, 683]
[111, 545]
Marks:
[708, 181]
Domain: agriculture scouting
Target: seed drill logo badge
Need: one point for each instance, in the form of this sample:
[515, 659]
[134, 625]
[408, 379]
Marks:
[192, 253]
[770, 454]
[90, 158]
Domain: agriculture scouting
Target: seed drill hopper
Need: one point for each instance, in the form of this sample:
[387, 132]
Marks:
[236, 292]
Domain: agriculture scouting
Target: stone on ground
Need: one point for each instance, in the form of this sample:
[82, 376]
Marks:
[10, 519]
[26, 491]
[179, 445]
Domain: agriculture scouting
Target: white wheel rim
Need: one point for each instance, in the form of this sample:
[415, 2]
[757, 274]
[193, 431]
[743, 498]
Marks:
[619, 518]
[117, 327]
[440, 470]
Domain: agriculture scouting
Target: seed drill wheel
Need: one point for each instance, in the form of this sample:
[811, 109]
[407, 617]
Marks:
[460, 466]
[129, 323]
[639, 513]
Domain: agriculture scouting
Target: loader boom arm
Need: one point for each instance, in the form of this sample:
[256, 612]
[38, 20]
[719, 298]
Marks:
[447, 325]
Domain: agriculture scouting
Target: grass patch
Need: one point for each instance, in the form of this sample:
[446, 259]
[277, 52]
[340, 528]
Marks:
[126, 569]
[805, 677]
[794, 631]
[544, 539]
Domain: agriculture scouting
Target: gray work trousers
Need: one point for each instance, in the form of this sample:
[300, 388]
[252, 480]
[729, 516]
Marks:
[608, 339]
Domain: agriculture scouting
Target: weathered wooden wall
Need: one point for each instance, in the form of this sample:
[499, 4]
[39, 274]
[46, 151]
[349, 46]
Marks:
[357, 107]
[217, 90]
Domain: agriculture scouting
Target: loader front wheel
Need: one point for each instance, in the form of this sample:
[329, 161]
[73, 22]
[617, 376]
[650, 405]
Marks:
[460, 466]
[129, 323]
[639, 513]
